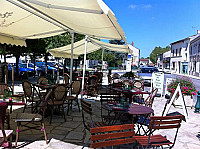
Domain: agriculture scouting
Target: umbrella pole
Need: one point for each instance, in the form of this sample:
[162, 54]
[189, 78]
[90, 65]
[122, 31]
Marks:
[83, 79]
[102, 59]
[72, 53]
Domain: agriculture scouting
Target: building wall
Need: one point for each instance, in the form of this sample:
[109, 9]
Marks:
[195, 57]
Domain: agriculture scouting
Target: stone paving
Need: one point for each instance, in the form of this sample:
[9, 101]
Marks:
[72, 134]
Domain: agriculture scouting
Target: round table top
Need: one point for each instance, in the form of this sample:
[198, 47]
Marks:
[135, 109]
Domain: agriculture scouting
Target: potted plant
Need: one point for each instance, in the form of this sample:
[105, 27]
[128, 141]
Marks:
[187, 87]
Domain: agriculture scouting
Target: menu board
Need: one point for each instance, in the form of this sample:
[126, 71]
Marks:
[157, 81]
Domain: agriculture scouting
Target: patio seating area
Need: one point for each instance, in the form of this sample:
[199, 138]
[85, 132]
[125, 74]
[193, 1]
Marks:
[73, 134]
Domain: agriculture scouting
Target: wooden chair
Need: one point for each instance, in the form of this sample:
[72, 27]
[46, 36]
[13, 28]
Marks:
[112, 135]
[138, 85]
[29, 96]
[4, 134]
[42, 80]
[75, 90]
[66, 78]
[57, 100]
[157, 123]
[87, 109]
[30, 120]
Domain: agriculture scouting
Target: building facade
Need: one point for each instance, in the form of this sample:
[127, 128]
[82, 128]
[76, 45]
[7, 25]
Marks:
[195, 57]
[180, 56]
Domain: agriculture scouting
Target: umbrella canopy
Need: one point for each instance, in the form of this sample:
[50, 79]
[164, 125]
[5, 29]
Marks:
[89, 17]
[92, 45]
[17, 24]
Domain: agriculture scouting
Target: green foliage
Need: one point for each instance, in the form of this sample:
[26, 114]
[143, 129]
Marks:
[158, 50]
[129, 74]
[187, 86]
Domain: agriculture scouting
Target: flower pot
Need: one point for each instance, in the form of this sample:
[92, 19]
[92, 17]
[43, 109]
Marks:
[188, 101]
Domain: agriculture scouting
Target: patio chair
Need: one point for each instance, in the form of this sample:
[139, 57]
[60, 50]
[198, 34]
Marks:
[33, 121]
[66, 78]
[57, 100]
[3, 87]
[42, 80]
[116, 135]
[75, 90]
[29, 96]
[138, 85]
[92, 86]
[158, 123]
[87, 109]
[107, 115]
[5, 135]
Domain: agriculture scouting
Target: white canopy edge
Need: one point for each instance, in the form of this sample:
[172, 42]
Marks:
[89, 17]
[12, 40]
[93, 45]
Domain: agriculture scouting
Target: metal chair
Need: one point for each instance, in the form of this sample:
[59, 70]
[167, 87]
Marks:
[29, 96]
[157, 123]
[92, 86]
[75, 90]
[112, 136]
[32, 121]
[57, 100]
[4, 134]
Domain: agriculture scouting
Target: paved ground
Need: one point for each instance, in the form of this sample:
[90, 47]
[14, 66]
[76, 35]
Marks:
[72, 134]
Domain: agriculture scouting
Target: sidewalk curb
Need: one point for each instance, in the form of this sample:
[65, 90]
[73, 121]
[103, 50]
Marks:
[194, 77]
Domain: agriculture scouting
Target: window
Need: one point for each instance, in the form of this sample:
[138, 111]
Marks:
[180, 52]
[176, 52]
[173, 52]
[199, 47]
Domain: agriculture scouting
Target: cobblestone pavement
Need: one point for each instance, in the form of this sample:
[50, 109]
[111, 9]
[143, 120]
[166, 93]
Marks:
[72, 134]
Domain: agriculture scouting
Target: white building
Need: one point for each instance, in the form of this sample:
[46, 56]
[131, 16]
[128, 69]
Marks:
[195, 57]
[135, 55]
[180, 55]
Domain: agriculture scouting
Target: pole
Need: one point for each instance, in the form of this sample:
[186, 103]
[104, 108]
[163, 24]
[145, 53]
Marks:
[102, 59]
[83, 79]
[13, 78]
[72, 53]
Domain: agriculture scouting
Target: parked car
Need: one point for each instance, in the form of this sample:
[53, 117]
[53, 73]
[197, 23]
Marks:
[146, 69]
[42, 67]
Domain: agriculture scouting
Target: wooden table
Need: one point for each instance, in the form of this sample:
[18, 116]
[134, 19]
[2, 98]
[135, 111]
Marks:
[135, 109]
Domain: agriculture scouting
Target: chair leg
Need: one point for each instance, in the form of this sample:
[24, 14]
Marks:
[45, 134]
[63, 112]
[24, 108]
[78, 105]
[68, 108]
[17, 134]
[10, 142]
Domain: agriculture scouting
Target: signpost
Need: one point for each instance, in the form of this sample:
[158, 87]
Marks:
[157, 81]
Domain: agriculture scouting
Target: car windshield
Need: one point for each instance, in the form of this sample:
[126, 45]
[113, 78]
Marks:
[22, 65]
[30, 65]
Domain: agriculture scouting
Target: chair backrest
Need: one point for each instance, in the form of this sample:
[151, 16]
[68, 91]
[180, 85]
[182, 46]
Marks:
[115, 76]
[112, 135]
[164, 122]
[3, 108]
[86, 108]
[126, 82]
[76, 87]
[42, 80]
[138, 85]
[150, 99]
[59, 92]
[93, 80]
[28, 88]
[3, 86]
[99, 75]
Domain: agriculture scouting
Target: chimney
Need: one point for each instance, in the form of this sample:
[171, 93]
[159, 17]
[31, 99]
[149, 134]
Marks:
[132, 41]
[198, 31]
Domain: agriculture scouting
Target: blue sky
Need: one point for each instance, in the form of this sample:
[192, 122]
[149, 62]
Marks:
[151, 23]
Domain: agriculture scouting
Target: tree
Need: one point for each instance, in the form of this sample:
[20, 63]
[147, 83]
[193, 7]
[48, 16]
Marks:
[158, 50]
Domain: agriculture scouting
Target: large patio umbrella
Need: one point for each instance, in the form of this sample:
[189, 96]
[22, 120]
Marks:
[84, 46]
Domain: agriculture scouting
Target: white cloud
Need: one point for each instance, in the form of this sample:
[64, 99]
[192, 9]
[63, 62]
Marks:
[132, 6]
[142, 6]
[147, 6]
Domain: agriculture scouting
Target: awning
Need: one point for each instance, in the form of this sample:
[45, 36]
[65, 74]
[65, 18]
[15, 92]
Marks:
[89, 17]
[12, 40]
[93, 45]
[17, 24]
